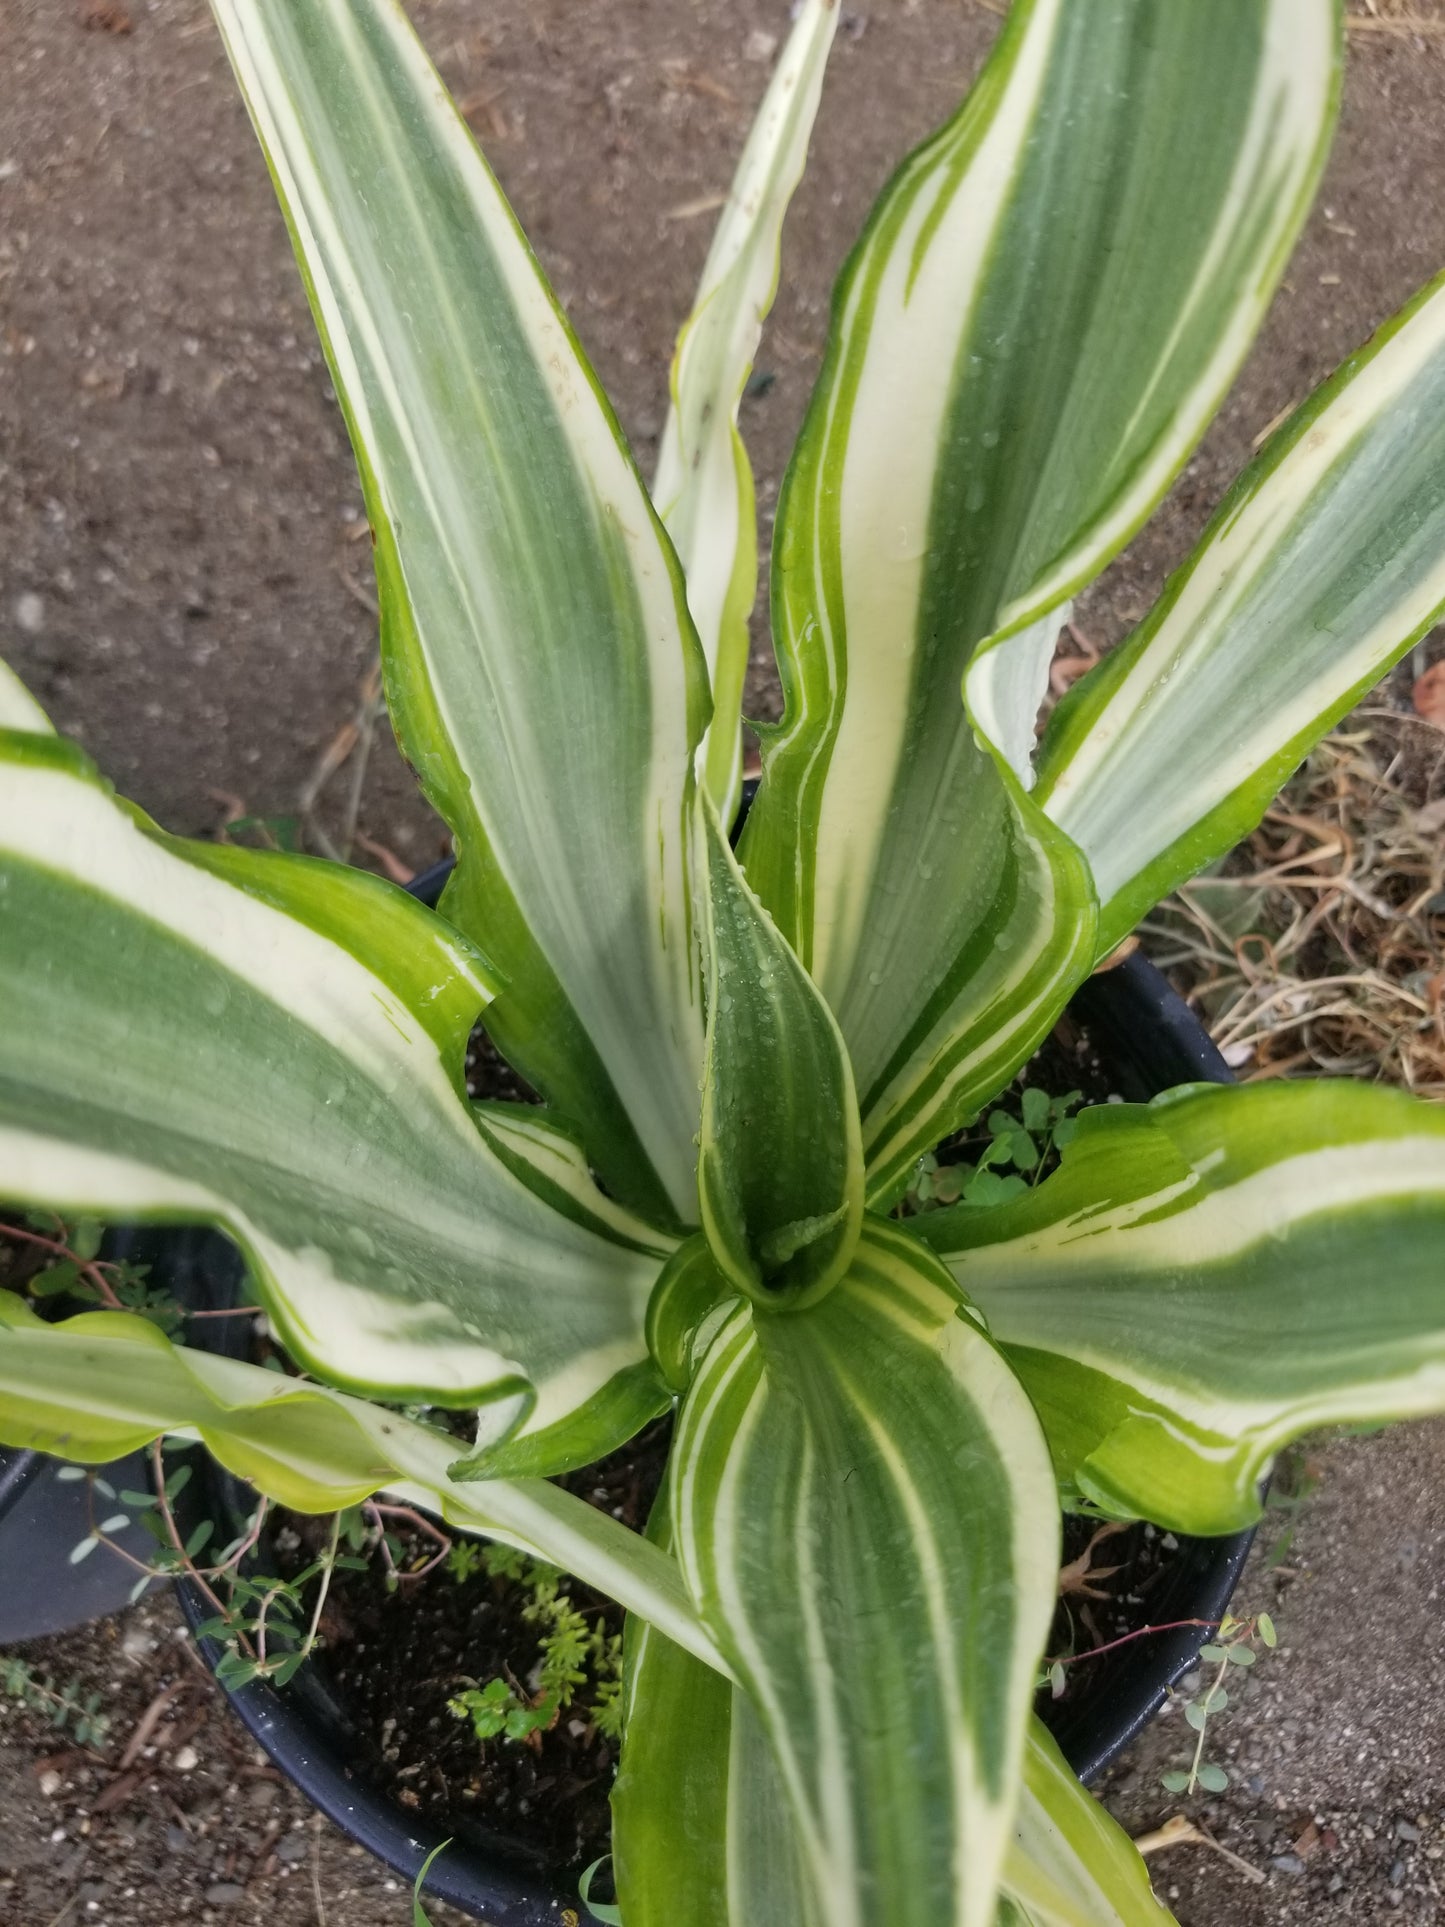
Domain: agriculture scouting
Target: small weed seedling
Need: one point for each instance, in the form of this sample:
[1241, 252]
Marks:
[1233, 1652]
[569, 1652]
[64, 1706]
[1005, 1156]
[70, 1267]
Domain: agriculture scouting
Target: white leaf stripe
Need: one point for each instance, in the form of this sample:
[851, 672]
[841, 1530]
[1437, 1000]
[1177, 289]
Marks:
[936, 504]
[202, 1043]
[18, 708]
[106, 1383]
[1323, 566]
[704, 487]
[761, 1517]
[766, 1880]
[534, 613]
[1207, 1278]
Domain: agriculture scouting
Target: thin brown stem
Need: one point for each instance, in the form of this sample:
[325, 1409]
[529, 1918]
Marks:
[91, 1271]
[1141, 1632]
[192, 1571]
[408, 1515]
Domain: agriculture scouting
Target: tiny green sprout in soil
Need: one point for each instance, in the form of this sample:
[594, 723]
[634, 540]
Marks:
[1018, 1141]
[65, 1706]
[1000, 1156]
[573, 1652]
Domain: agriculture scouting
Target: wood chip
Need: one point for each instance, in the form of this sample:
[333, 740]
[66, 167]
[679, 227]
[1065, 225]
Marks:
[398, 870]
[121, 1789]
[682, 80]
[689, 210]
[1272, 424]
[147, 1723]
[1428, 695]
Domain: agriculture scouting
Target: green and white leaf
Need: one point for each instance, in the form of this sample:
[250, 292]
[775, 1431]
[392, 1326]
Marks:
[1323, 565]
[700, 1825]
[275, 1046]
[704, 485]
[690, 1300]
[1077, 261]
[780, 1164]
[603, 1423]
[701, 1830]
[1211, 1275]
[1069, 1864]
[872, 1463]
[18, 708]
[107, 1383]
[541, 666]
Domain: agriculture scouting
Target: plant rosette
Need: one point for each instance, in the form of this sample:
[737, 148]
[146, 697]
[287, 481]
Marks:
[314, 1729]
[744, 1057]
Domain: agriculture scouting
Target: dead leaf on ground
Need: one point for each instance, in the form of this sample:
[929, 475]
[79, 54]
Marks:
[1308, 1841]
[106, 16]
[1428, 695]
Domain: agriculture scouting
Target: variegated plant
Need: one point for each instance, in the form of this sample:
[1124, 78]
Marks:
[838, 1612]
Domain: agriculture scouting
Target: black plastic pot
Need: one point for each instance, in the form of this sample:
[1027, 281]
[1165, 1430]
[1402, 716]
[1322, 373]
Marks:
[42, 1519]
[1150, 1040]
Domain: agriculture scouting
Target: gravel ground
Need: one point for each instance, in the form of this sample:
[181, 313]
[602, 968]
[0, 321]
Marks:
[179, 583]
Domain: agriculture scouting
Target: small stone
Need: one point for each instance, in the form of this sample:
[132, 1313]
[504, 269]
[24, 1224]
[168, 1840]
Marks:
[30, 612]
[760, 45]
[292, 1849]
[1406, 1830]
[1287, 1863]
[1397, 1874]
[225, 1893]
[187, 1760]
[178, 1840]
[263, 1794]
[50, 1783]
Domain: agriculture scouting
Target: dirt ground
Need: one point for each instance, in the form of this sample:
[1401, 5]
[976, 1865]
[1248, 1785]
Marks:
[181, 585]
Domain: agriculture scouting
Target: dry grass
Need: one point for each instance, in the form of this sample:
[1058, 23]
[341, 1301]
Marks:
[1319, 950]
[1398, 19]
